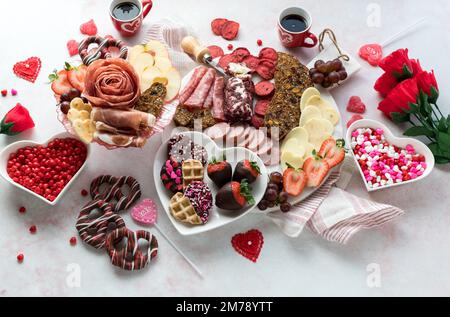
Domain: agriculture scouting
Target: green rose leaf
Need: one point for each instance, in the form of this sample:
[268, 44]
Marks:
[400, 117]
[418, 131]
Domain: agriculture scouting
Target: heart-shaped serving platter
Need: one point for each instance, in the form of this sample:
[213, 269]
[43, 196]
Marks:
[218, 217]
[419, 147]
[13, 147]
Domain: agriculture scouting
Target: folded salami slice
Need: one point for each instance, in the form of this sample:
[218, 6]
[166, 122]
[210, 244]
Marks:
[217, 110]
[209, 99]
[138, 121]
[187, 91]
[200, 93]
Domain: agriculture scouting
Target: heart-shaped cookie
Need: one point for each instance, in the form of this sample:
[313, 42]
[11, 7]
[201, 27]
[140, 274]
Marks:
[248, 244]
[417, 164]
[66, 172]
[145, 212]
[28, 69]
[372, 53]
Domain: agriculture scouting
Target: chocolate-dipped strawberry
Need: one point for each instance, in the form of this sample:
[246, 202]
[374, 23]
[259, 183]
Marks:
[248, 170]
[219, 172]
[234, 196]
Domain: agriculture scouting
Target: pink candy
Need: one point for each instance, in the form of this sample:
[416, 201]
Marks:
[382, 163]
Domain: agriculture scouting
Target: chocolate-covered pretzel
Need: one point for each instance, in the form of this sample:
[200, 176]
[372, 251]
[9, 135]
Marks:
[102, 51]
[131, 258]
[113, 191]
[93, 228]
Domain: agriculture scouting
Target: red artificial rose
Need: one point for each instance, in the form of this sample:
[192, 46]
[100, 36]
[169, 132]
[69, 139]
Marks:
[385, 84]
[16, 121]
[399, 98]
[416, 67]
[425, 81]
[395, 62]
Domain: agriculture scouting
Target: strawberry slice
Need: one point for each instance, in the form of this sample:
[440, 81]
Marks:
[316, 170]
[60, 82]
[332, 151]
[294, 181]
[76, 76]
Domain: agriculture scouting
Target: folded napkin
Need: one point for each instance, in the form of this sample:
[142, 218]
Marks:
[171, 34]
[333, 213]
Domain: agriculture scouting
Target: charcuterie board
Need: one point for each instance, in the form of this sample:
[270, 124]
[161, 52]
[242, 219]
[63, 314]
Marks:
[220, 141]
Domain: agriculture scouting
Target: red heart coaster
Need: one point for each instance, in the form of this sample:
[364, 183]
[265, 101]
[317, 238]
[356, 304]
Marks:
[248, 244]
[373, 53]
[29, 69]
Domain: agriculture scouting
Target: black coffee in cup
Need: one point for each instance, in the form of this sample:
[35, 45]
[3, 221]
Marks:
[294, 23]
[126, 11]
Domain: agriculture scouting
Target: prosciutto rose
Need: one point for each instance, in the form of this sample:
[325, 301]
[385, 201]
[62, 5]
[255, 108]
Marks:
[112, 83]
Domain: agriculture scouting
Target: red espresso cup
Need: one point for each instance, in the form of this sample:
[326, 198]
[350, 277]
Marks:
[127, 15]
[297, 33]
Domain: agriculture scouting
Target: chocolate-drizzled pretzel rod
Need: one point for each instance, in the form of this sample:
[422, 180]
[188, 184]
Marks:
[131, 258]
[114, 192]
[93, 228]
[102, 51]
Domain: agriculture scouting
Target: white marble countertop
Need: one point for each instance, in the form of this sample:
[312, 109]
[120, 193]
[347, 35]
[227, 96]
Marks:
[411, 252]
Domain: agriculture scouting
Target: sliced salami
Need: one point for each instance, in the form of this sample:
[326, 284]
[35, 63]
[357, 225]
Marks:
[268, 53]
[218, 132]
[215, 51]
[265, 147]
[209, 99]
[232, 136]
[273, 158]
[251, 62]
[187, 91]
[217, 110]
[200, 93]
[257, 141]
[230, 30]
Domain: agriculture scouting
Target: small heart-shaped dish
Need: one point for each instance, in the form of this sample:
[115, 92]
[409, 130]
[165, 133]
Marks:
[14, 147]
[419, 147]
[218, 217]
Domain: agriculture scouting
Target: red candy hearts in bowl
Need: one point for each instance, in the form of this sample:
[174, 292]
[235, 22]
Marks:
[45, 170]
[385, 160]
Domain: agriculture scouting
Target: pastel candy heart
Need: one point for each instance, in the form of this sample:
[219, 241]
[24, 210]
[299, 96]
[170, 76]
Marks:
[28, 69]
[145, 212]
[248, 244]
[372, 53]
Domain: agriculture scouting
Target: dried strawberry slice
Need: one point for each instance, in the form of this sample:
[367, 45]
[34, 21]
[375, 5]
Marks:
[251, 62]
[265, 72]
[241, 53]
[217, 25]
[261, 107]
[226, 60]
[268, 53]
[216, 51]
[230, 30]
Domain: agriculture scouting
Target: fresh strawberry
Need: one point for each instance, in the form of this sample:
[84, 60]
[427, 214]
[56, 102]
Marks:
[248, 170]
[60, 82]
[294, 181]
[76, 76]
[220, 172]
[332, 151]
[316, 169]
[234, 196]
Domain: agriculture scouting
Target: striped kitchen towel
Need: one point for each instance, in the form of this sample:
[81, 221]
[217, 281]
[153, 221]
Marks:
[333, 213]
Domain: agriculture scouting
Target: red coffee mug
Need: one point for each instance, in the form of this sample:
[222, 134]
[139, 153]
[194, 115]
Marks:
[130, 27]
[292, 39]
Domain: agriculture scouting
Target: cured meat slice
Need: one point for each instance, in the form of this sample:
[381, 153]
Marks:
[239, 100]
[137, 121]
[209, 99]
[200, 93]
[243, 140]
[232, 136]
[257, 141]
[218, 132]
[187, 91]
[264, 147]
[217, 25]
[119, 140]
[273, 158]
[215, 51]
[230, 30]
[217, 110]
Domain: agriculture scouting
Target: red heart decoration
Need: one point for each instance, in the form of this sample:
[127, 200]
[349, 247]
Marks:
[29, 69]
[373, 53]
[356, 105]
[248, 244]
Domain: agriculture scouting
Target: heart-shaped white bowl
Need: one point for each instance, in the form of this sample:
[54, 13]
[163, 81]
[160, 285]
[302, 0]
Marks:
[420, 148]
[13, 147]
[218, 217]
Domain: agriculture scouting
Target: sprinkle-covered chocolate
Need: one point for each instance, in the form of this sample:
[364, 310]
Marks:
[201, 199]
